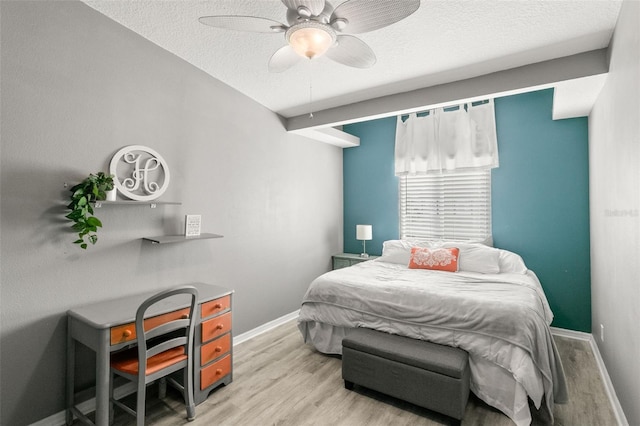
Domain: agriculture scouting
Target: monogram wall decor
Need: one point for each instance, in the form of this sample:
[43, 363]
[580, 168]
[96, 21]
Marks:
[140, 173]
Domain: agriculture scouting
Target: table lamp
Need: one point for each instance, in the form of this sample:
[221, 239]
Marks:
[364, 233]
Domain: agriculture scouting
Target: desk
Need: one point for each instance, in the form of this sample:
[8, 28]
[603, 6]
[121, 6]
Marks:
[93, 326]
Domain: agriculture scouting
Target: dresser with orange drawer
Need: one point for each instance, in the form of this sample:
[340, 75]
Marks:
[213, 347]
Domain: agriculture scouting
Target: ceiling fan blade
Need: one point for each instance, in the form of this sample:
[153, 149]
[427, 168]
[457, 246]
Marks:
[352, 51]
[315, 7]
[361, 16]
[283, 59]
[244, 23]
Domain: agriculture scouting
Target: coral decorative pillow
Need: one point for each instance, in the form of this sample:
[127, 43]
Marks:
[441, 259]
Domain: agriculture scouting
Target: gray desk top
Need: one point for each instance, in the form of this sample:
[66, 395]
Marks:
[110, 313]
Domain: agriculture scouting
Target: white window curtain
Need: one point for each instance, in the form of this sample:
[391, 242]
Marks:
[445, 140]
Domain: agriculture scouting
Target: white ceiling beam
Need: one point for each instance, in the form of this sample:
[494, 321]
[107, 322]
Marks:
[331, 136]
[502, 83]
[576, 98]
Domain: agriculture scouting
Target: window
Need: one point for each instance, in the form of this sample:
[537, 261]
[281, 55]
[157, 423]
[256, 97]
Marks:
[453, 206]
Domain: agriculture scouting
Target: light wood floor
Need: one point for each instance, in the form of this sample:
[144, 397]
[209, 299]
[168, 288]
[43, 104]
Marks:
[278, 380]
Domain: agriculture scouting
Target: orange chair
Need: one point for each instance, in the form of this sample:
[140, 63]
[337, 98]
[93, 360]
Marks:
[164, 349]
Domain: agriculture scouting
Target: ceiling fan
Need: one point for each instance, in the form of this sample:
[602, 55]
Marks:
[315, 28]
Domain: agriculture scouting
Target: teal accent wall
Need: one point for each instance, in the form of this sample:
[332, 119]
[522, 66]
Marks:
[540, 196]
[540, 201]
[370, 185]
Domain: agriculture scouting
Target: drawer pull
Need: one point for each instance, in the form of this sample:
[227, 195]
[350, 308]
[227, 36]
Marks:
[218, 371]
[185, 316]
[126, 333]
[217, 305]
[220, 326]
[218, 349]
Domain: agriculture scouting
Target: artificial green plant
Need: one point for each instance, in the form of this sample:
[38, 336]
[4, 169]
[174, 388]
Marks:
[91, 189]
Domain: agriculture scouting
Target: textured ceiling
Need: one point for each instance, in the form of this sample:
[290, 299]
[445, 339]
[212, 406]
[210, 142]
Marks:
[443, 41]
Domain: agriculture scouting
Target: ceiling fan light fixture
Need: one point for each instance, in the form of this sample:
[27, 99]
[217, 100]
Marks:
[311, 39]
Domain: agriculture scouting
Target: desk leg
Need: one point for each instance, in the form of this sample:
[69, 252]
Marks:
[71, 365]
[102, 381]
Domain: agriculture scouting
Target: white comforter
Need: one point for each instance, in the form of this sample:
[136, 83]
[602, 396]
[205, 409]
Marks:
[501, 320]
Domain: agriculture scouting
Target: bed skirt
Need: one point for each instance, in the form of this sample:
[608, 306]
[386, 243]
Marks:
[324, 337]
[487, 379]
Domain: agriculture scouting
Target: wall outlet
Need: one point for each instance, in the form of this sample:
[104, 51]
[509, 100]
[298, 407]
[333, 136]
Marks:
[601, 333]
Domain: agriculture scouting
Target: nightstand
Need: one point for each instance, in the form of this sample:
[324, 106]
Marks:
[344, 260]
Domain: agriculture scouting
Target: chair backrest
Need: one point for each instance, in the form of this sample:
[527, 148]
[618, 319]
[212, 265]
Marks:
[166, 333]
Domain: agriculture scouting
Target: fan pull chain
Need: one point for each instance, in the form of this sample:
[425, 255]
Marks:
[310, 90]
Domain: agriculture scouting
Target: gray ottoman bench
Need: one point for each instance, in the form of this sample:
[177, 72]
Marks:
[426, 374]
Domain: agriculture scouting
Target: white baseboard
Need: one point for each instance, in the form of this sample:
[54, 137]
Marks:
[59, 419]
[571, 334]
[264, 328]
[611, 392]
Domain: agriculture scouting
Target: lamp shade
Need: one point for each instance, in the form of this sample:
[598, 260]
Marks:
[364, 232]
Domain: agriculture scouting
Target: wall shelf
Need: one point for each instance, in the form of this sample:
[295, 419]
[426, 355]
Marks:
[165, 239]
[162, 239]
[152, 204]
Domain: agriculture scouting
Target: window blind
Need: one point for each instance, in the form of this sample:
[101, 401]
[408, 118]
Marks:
[455, 206]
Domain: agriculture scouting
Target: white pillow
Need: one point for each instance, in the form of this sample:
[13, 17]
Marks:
[477, 258]
[511, 262]
[397, 251]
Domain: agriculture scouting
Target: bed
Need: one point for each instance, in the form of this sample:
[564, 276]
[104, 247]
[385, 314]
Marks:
[492, 306]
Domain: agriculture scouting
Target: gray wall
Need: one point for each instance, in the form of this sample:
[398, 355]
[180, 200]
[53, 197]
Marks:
[76, 87]
[614, 140]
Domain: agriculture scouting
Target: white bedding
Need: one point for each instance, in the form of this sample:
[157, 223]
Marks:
[502, 321]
